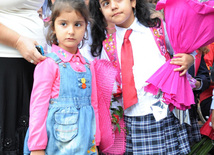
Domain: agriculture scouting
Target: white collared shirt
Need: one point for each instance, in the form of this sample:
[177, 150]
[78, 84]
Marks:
[212, 104]
[147, 60]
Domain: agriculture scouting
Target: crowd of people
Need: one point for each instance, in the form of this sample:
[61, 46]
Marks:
[86, 94]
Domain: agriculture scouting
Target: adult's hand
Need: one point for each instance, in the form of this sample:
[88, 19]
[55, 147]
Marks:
[27, 48]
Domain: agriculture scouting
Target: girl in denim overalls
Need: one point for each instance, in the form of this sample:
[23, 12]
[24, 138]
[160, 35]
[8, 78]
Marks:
[62, 119]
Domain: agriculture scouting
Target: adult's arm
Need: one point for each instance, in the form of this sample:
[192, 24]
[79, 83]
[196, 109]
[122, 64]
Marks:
[24, 45]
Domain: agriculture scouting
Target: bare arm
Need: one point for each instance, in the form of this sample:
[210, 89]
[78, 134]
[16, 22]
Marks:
[38, 152]
[24, 45]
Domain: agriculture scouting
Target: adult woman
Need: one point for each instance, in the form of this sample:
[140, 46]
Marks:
[21, 29]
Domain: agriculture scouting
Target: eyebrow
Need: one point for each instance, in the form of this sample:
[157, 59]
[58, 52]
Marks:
[102, 1]
[79, 21]
[63, 20]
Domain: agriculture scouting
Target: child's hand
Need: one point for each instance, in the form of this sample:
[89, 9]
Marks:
[185, 61]
[212, 119]
[197, 85]
[38, 152]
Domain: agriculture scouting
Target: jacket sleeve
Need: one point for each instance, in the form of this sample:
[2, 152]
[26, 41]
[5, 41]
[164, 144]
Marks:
[94, 102]
[44, 76]
[203, 75]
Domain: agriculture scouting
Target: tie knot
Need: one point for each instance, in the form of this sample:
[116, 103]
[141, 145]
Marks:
[127, 34]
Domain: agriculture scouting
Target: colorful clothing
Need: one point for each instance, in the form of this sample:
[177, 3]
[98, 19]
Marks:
[112, 140]
[116, 144]
[143, 119]
[209, 59]
[67, 124]
[149, 137]
[185, 35]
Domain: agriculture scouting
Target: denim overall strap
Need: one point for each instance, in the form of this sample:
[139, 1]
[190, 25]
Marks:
[67, 71]
[54, 57]
[73, 83]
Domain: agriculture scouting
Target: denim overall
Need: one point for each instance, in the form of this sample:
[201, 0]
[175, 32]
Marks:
[71, 119]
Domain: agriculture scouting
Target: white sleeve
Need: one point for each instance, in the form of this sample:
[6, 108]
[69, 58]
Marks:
[212, 104]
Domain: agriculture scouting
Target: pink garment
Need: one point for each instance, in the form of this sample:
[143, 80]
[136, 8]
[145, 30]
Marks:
[111, 142]
[46, 86]
[159, 36]
[189, 25]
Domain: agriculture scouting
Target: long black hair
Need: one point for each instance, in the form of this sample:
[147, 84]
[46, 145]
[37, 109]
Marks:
[99, 24]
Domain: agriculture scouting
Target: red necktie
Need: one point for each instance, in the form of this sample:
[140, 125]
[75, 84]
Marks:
[127, 62]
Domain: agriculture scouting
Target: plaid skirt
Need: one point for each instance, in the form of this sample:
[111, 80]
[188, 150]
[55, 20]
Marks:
[148, 137]
[193, 131]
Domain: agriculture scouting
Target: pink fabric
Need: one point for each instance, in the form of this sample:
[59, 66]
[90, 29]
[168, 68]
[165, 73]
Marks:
[94, 103]
[46, 86]
[111, 142]
[189, 25]
[159, 36]
[111, 50]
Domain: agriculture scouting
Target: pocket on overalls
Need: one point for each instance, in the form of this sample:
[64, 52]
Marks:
[66, 126]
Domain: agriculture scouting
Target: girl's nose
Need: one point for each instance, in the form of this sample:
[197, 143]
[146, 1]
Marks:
[70, 30]
[114, 4]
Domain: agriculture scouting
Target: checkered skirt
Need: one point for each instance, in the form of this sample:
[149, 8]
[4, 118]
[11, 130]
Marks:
[148, 137]
[193, 131]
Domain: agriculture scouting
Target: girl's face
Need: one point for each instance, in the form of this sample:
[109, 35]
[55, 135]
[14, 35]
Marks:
[118, 12]
[70, 28]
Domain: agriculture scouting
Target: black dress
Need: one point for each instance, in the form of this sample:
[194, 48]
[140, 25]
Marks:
[16, 79]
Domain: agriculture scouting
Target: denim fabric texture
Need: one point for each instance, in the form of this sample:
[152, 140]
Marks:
[71, 119]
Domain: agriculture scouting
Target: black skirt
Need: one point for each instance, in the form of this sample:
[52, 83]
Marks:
[16, 80]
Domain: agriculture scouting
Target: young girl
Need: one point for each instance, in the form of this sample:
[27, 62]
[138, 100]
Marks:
[62, 119]
[145, 134]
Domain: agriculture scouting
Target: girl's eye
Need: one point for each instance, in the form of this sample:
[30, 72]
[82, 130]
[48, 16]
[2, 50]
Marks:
[63, 24]
[104, 4]
[77, 24]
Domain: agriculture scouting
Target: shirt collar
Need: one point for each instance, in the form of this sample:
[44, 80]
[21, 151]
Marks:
[66, 56]
[136, 26]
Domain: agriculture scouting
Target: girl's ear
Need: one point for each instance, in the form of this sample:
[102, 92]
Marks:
[133, 3]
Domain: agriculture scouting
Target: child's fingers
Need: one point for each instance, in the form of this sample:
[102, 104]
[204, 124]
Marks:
[183, 73]
[181, 69]
[176, 61]
[179, 55]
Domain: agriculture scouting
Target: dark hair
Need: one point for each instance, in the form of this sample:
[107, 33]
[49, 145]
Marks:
[98, 27]
[49, 3]
[62, 5]
[153, 1]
